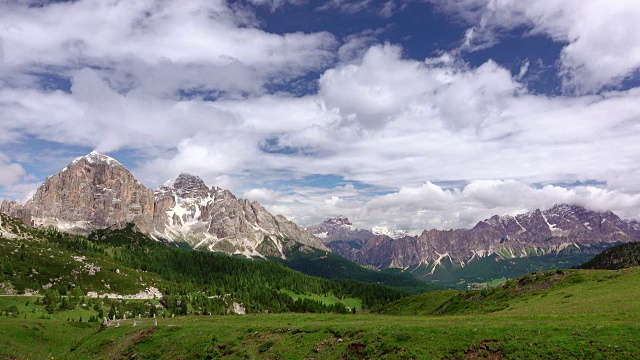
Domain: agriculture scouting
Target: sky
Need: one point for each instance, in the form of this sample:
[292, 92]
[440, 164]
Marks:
[404, 114]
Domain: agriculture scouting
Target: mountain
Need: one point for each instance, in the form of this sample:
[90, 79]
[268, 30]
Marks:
[339, 228]
[341, 236]
[523, 239]
[214, 219]
[618, 257]
[96, 191]
[93, 191]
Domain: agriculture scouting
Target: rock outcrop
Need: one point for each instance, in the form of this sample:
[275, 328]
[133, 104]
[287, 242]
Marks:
[14, 209]
[340, 228]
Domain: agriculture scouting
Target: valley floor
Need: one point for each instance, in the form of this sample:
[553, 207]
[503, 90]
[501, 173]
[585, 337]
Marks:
[302, 336]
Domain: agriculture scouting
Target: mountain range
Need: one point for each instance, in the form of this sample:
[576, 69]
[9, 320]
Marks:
[96, 191]
[563, 229]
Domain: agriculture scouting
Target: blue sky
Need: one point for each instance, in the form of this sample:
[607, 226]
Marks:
[398, 113]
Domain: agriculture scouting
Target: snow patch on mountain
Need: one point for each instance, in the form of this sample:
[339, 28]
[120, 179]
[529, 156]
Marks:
[383, 230]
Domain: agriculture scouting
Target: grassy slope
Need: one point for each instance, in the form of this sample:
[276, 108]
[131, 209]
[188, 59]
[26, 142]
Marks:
[38, 259]
[327, 299]
[551, 293]
[573, 314]
[42, 255]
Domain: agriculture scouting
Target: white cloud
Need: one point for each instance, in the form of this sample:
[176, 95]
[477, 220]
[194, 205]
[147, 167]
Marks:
[356, 45]
[378, 118]
[276, 4]
[158, 47]
[602, 37]
[404, 122]
[10, 172]
[428, 206]
[261, 195]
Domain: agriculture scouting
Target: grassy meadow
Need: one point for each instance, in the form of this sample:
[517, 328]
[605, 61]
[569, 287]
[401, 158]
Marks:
[575, 314]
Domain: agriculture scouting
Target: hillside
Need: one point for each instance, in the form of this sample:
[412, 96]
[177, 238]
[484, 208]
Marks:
[331, 266]
[123, 261]
[560, 314]
[551, 292]
[617, 257]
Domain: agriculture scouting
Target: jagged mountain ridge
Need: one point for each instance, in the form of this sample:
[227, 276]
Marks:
[96, 191]
[189, 211]
[530, 234]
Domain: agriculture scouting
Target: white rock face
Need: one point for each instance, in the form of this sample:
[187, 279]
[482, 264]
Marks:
[149, 293]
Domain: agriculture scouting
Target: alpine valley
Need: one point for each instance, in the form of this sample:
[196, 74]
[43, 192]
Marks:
[97, 266]
[96, 192]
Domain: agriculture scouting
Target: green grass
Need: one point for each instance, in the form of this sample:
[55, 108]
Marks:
[423, 304]
[303, 336]
[577, 314]
[555, 292]
[327, 300]
[28, 309]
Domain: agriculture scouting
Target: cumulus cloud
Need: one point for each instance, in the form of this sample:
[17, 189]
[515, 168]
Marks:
[384, 85]
[405, 121]
[156, 46]
[10, 172]
[602, 38]
[429, 206]
[185, 88]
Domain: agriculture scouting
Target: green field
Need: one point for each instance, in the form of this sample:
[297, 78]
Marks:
[579, 314]
[302, 336]
[327, 300]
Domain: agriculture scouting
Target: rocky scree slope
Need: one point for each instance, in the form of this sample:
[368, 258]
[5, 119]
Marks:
[96, 191]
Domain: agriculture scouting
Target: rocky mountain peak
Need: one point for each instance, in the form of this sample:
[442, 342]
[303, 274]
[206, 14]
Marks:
[337, 221]
[96, 157]
[185, 185]
[93, 191]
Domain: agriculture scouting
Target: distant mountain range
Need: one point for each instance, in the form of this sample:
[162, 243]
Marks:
[563, 229]
[96, 191]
